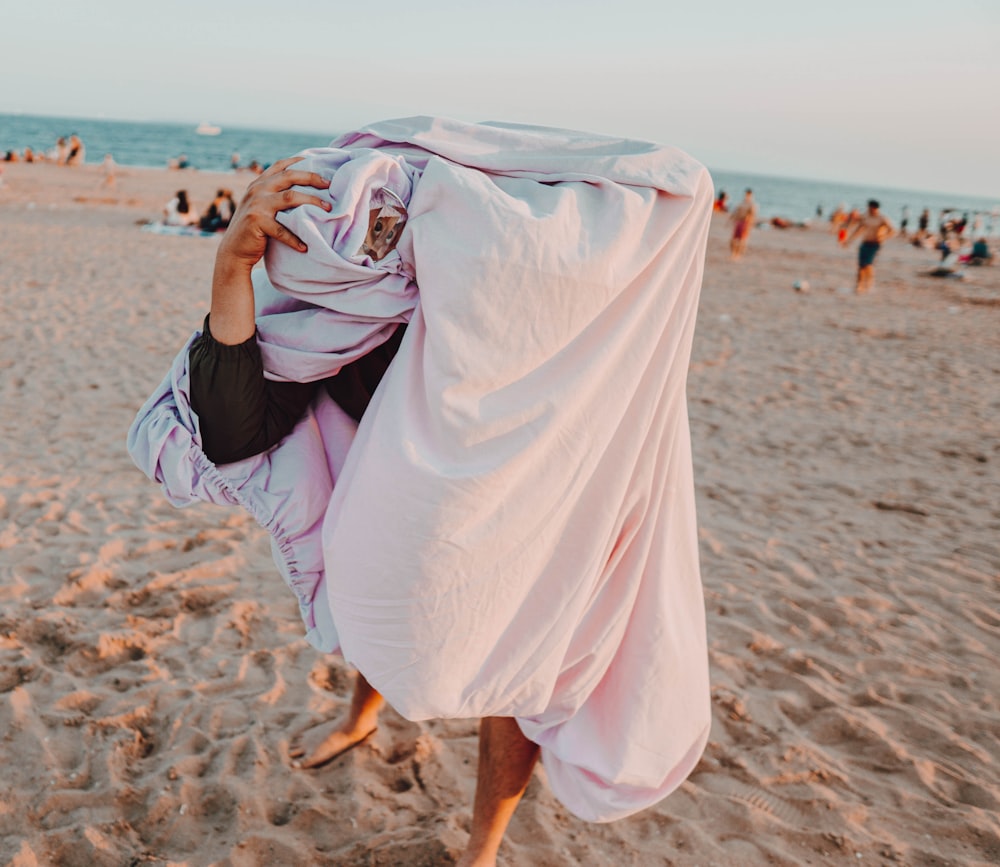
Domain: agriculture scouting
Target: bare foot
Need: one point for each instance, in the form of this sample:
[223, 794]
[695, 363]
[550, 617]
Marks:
[323, 743]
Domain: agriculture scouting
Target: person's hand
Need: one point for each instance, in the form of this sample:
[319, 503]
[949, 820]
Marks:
[254, 221]
[243, 245]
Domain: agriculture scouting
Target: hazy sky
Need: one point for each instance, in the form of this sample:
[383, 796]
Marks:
[880, 92]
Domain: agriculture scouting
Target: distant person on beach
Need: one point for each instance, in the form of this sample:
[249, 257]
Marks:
[874, 227]
[949, 244]
[211, 220]
[923, 224]
[784, 223]
[981, 254]
[904, 221]
[178, 211]
[234, 161]
[838, 222]
[77, 151]
[219, 213]
[721, 205]
[61, 151]
[743, 219]
[950, 266]
[227, 207]
[109, 168]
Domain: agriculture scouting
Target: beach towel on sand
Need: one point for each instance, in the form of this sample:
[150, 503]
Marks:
[511, 529]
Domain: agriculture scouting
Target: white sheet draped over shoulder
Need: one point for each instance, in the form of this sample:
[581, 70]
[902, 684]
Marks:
[513, 532]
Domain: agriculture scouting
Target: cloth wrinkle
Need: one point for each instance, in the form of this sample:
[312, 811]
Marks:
[510, 530]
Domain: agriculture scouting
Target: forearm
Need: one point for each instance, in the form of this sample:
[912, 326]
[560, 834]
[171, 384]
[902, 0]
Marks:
[253, 224]
[232, 308]
[240, 413]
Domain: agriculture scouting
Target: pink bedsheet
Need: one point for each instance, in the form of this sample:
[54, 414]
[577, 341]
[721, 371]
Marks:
[513, 532]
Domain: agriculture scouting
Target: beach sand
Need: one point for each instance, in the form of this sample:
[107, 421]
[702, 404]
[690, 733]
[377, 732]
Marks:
[152, 665]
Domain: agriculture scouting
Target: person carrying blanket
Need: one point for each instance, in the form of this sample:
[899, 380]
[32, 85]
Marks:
[455, 397]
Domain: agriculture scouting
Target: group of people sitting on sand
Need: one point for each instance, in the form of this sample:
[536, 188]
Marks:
[180, 212]
[66, 152]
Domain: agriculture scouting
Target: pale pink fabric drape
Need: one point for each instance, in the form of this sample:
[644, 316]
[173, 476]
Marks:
[513, 531]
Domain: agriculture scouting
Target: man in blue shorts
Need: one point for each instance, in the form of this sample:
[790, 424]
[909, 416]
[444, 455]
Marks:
[875, 228]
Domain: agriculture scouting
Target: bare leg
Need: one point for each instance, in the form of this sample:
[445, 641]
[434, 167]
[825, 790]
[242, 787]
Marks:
[506, 760]
[864, 279]
[737, 247]
[332, 739]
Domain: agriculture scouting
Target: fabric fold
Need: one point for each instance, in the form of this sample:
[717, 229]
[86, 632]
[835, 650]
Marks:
[512, 530]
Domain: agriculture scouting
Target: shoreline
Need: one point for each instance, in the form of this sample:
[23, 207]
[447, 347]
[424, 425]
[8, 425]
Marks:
[263, 145]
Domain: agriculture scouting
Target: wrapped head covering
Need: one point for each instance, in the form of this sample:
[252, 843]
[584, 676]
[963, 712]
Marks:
[360, 180]
[360, 299]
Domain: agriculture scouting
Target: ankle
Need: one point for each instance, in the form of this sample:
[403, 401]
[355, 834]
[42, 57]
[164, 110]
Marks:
[477, 858]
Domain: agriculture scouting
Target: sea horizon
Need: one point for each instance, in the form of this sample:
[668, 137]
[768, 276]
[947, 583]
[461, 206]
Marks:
[154, 144]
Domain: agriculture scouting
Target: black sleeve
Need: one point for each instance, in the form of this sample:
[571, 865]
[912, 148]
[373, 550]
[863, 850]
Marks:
[352, 388]
[241, 413]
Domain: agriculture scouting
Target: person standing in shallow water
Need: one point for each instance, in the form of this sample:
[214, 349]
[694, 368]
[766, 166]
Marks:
[875, 227]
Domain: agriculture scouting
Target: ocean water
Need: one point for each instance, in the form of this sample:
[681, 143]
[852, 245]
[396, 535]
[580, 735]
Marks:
[154, 144]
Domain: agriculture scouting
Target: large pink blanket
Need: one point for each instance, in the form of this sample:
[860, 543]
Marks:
[513, 531]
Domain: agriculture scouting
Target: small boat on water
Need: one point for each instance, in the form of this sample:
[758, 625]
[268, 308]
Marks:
[208, 129]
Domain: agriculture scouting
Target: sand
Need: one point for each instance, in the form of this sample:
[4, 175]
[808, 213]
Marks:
[152, 665]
